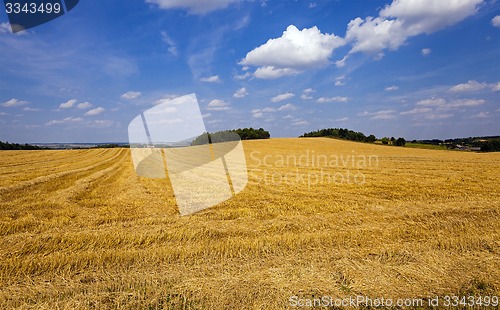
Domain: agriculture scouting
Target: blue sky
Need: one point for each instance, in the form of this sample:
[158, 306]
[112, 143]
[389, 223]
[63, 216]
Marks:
[419, 69]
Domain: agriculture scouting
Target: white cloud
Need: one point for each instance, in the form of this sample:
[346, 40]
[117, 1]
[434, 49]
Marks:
[243, 76]
[257, 113]
[28, 109]
[282, 97]
[312, 5]
[296, 50]
[383, 114]
[270, 72]
[131, 95]
[287, 107]
[340, 81]
[459, 103]
[481, 115]
[403, 19]
[438, 116]
[101, 123]
[426, 51]
[341, 63]
[495, 87]
[442, 104]
[300, 123]
[391, 88]
[67, 120]
[5, 28]
[471, 85]
[496, 21]
[68, 104]
[240, 93]
[211, 79]
[343, 119]
[333, 99]
[167, 100]
[14, 103]
[172, 47]
[419, 110]
[84, 105]
[217, 105]
[206, 115]
[306, 94]
[193, 6]
[95, 111]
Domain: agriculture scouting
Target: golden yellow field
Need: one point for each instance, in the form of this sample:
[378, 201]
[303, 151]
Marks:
[79, 229]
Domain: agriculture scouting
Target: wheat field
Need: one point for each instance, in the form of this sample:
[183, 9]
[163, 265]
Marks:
[80, 230]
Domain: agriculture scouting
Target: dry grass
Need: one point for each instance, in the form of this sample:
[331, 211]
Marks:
[79, 229]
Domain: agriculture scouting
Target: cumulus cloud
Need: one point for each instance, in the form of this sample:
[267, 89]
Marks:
[95, 111]
[131, 95]
[403, 19]
[28, 109]
[13, 103]
[287, 107]
[240, 93]
[426, 51]
[257, 113]
[306, 94]
[495, 87]
[68, 104]
[432, 102]
[471, 85]
[6, 28]
[271, 72]
[66, 120]
[340, 81]
[196, 7]
[211, 79]
[443, 104]
[282, 97]
[172, 46]
[415, 111]
[84, 105]
[333, 99]
[496, 21]
[217, 105]
[481, 115]
[383, 114]
[391, 88]
[300, 122]
[438, 116]
[296, 50]
[244, 76]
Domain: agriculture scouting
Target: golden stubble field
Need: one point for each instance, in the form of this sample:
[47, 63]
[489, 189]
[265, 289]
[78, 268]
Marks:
[79, 229]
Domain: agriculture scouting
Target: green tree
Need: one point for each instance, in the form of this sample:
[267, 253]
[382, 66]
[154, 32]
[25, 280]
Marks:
[400, 142]
[371, 139]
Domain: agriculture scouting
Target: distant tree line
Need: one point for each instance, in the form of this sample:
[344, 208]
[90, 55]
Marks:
[346, 134]
[491, 145]
[111, 146]
[486, 143]
[397, 142]
[228, 135]
[16, 146]
[340, 133]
